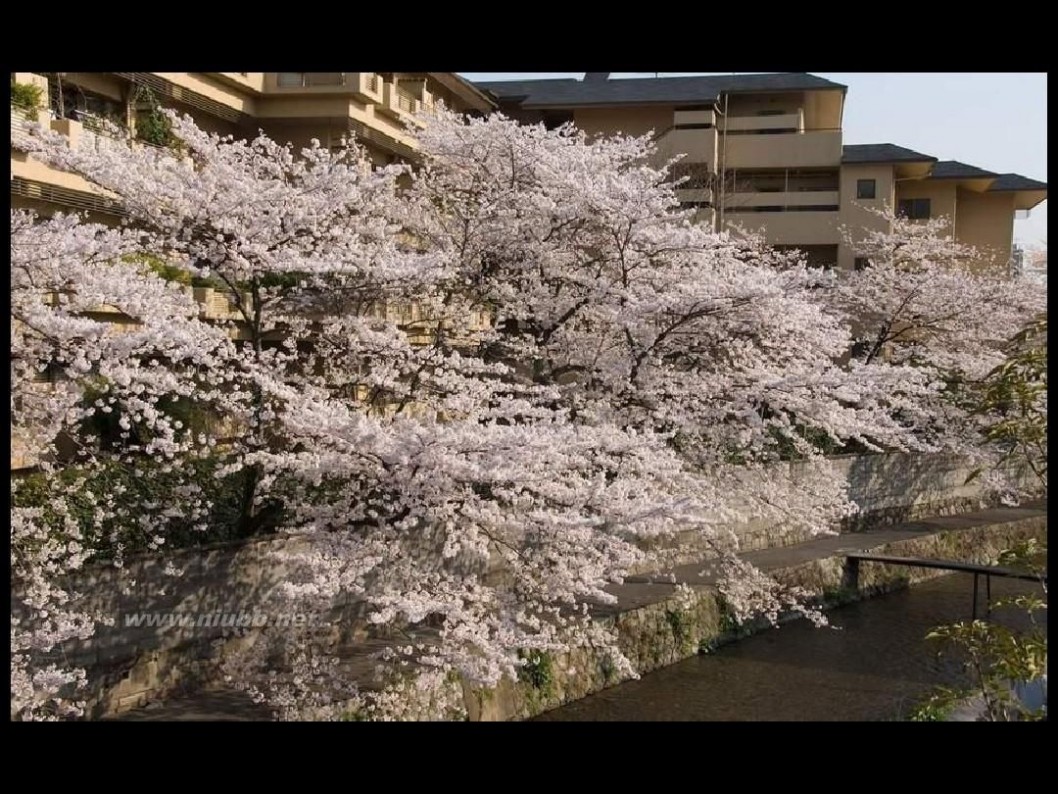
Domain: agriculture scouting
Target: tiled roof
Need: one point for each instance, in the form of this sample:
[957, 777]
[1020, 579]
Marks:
[1016, 182]
[953, 169]
[882, 153]
[565, 92]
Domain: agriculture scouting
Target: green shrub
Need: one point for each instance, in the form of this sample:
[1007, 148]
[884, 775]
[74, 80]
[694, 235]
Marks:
[27, 97]
[135, 484]
[538, 670]
[155, 128]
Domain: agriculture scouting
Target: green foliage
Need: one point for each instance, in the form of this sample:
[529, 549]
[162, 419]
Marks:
[607, 670]
[677, 620]
[161, 268]
[134, 484]
[1012, 401]
[537, 670]
[27, 97]
[102, 430]
[170, 272]
[154, 127]
[996, 656]
[938, 707]
[729, 624]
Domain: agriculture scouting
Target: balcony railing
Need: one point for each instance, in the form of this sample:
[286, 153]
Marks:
[19, 127]
[309, 79]
[778, 122]
[780, 201]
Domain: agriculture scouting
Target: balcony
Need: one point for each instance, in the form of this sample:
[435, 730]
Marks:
[683, 118]
[784, 200]
[783, 150]
[400, 105]
[779, 122]
[694, 195]
[20, 121]
[792, 227]
[365, 86]
[698, 146]
[309, 79]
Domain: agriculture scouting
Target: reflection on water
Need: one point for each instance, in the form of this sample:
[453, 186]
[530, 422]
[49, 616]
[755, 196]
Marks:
[876, 666]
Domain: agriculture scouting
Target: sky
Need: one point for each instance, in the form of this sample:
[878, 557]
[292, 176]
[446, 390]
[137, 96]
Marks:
[993, 121]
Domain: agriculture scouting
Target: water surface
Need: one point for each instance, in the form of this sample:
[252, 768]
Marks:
[876, 666]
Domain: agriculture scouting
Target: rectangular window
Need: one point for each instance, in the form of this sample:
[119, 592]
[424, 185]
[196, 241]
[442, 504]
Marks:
[915, 209]
[864, 188]
[861, 263]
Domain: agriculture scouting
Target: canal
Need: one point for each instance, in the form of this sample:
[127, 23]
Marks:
[875, 664]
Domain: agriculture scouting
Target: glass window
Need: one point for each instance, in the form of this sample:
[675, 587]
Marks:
[864, 188]
[915, 209]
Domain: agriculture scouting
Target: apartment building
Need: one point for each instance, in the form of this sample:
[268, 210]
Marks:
[294, 107]
[764, 152]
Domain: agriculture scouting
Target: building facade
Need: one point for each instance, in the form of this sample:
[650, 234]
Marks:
[294, 107]
[765, 153]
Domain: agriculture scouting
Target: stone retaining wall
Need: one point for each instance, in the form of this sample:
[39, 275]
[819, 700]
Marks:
[129, 665]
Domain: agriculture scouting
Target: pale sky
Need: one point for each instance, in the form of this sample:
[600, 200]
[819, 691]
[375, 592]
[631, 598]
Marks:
[993, 121]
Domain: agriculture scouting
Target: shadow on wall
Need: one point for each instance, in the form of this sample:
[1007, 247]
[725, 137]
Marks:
[896, 487]
[177, 619]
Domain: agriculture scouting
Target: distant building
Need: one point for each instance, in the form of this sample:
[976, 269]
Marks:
[765, 152]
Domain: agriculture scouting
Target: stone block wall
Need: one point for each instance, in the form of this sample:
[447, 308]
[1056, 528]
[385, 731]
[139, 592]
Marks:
[131, 664]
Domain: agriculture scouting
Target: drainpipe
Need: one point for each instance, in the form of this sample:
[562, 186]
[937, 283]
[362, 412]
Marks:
[723, 168]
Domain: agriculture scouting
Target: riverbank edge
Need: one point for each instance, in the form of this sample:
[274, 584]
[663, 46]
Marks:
[662, 628]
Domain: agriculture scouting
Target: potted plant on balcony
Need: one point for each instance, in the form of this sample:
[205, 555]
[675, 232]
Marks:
[27, 99]
[152, 125]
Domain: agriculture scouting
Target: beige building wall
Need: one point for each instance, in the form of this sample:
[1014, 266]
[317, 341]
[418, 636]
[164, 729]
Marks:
[811, 228]
[941, 195]
[855, 215]
[788, 150]
[633, 120]
[985, 221]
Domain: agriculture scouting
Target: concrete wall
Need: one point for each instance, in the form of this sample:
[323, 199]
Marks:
[628, 120]
[986, 221]
[855, 213]
[941, 195]
[788, 228]
[788, 150]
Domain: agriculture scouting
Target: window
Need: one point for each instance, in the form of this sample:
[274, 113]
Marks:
[861, 263]
[864, 188]
[915, 209]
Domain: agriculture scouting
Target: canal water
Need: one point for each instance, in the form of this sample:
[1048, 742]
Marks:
[875, 665]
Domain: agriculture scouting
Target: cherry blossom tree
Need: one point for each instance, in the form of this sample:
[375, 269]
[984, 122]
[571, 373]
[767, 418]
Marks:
[476, 401]
[923, 302]
[71, 365]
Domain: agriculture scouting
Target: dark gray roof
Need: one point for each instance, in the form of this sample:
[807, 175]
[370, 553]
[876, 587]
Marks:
[1016, 182]
[882, 153]
[953, 169]
[638, 91]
